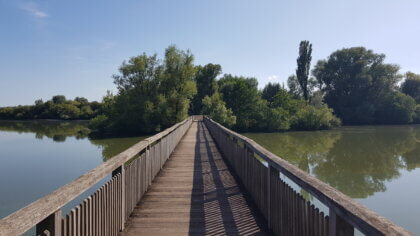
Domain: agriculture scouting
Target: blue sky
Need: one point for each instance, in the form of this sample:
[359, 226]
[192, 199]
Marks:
[73, 47]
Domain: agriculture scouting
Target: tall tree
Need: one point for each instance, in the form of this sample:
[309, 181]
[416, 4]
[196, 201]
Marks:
[355, 81]
[177, 84]
[134, 108]
[303, 66]
[205, 79]
[152, 94]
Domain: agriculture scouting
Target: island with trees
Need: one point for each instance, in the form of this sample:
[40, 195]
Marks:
[353, 86]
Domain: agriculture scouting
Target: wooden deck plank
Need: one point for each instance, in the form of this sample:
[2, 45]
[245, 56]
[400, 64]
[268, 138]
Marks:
[195, 194]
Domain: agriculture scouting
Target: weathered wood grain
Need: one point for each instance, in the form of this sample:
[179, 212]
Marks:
[195, 193]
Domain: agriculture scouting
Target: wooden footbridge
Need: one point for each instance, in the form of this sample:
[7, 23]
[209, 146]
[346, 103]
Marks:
[198, 178]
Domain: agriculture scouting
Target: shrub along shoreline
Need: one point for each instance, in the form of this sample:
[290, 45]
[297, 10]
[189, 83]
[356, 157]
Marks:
[58, 108]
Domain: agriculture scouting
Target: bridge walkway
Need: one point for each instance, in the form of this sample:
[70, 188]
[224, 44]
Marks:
[196, 194]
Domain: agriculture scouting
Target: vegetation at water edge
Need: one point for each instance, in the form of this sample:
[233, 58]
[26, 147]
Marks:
[351, 86]
[56, 108]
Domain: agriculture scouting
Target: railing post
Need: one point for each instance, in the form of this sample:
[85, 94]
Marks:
[338, 226]
[121, 170]
[271, 173]
[148, 167]
[50, 226]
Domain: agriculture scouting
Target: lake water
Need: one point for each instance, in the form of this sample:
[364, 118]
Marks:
[37, 157]
[378, 166]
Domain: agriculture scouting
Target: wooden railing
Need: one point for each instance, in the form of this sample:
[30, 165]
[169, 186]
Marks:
[285, 210]
[105, 211]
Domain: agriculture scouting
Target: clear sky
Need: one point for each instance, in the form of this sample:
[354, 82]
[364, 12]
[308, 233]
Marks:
[50, 47]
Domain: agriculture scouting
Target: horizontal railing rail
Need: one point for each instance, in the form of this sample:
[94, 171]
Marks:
[105, 211]
[285, 210]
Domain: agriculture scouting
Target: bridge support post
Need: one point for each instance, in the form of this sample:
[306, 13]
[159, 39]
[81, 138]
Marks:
[121, 170]
[50, 226]
[338, 226]
[272, 173]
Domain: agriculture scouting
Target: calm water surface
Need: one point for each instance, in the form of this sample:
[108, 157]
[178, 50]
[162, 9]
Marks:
[378, 166]
[37, 157]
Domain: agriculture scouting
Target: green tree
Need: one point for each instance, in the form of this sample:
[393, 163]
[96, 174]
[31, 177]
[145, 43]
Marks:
[205, 79]
[177, 85]
[152, 95]
[396, 108]
[215, 108]
[39, 102]
[411, 86]
[354, 81]
[66, 111]
[303, 66]
[59, 99]
[294, 87]
[242, 96]
[286, 101]
[296, 90]
[81, 100]
[270, 90]
[133, 109]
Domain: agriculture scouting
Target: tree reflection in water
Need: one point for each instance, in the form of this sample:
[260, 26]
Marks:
[53, 129]
[356, 160]
[59, 131]
[112, 146]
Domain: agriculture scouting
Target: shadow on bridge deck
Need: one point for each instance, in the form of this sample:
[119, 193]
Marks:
[195, 194]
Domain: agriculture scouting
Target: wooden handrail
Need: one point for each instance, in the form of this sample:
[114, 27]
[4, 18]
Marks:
[24, 219]
[340, 205]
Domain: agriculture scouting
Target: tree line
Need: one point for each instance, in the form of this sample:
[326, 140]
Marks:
[154, 94]
[58, 107]
[351, 86]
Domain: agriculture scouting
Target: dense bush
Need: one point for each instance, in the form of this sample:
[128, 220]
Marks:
[275, 119]
[99, 123]
[215, 108]
[396, 108]
[312, 118]
[281, 111]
